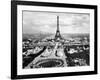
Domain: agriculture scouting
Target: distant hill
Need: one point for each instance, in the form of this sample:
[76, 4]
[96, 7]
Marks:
[44, 35]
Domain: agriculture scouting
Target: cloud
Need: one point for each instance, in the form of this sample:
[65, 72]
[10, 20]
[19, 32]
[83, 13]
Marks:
[45, 21]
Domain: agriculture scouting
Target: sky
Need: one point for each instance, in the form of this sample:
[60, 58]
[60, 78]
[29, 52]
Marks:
[46, 22]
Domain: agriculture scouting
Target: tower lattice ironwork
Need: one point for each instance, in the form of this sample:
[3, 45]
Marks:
[58, 35]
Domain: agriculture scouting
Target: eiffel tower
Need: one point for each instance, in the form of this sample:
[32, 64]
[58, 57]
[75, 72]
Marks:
[58, 36]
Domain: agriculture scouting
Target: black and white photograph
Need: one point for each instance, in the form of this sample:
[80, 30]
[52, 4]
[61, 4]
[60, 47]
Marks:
[54, 40]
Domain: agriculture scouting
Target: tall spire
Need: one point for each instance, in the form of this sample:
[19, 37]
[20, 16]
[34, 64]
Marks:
[58, 36]
[57, 23]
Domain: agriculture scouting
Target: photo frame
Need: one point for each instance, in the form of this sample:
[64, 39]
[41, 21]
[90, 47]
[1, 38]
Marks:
[53, 39]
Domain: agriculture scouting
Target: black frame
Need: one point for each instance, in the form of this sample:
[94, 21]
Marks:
[14, 38]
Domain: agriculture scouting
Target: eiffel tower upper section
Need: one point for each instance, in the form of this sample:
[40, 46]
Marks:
[58, 35]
